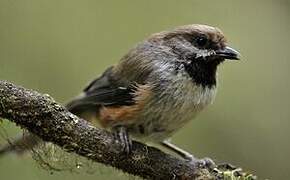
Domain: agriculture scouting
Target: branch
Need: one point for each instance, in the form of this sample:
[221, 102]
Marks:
[42, 116]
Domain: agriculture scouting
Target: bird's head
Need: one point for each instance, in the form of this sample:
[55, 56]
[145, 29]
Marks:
[197, 48]
[197, 43]
[194, 50]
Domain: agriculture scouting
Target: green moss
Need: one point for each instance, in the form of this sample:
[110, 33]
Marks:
[227, 172]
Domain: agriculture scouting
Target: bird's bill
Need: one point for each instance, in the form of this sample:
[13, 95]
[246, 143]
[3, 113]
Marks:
[228, 53]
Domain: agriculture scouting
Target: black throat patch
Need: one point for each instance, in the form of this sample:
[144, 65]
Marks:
[202, 72]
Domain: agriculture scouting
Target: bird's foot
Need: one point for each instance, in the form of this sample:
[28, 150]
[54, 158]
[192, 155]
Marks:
[122, 136]
[201, 163]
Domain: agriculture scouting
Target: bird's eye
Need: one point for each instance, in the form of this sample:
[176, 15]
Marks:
[201, 41]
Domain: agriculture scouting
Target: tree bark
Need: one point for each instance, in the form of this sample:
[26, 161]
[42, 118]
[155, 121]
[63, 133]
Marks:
[50, 121]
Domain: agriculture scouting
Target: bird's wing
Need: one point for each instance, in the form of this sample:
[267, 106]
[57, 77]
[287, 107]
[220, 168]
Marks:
[103, 91]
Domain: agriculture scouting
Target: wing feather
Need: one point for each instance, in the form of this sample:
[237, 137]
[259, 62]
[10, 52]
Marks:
[103, 91]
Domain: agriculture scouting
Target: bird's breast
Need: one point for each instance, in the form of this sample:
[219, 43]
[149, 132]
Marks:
[172, 105]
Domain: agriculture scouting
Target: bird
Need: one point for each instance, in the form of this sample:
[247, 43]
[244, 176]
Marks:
[156, 88]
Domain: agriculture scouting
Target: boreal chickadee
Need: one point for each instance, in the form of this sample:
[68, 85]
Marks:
[158, 86]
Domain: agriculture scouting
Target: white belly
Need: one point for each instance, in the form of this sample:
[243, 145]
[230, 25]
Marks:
[169, 110]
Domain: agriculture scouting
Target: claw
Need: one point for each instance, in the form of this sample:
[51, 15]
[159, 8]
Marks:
[122, 136]
[202, 163]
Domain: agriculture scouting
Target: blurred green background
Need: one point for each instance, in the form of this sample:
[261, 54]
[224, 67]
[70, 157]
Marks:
[57, 46]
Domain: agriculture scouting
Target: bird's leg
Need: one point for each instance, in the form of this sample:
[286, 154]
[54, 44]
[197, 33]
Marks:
[121, 134]
[205, 162]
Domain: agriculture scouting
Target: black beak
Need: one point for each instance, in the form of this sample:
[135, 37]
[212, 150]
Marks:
[228, 53]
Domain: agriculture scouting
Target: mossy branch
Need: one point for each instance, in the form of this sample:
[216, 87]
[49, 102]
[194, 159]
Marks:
[50, 121]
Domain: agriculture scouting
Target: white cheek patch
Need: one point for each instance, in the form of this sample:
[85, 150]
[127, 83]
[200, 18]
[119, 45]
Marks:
[204, 53]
